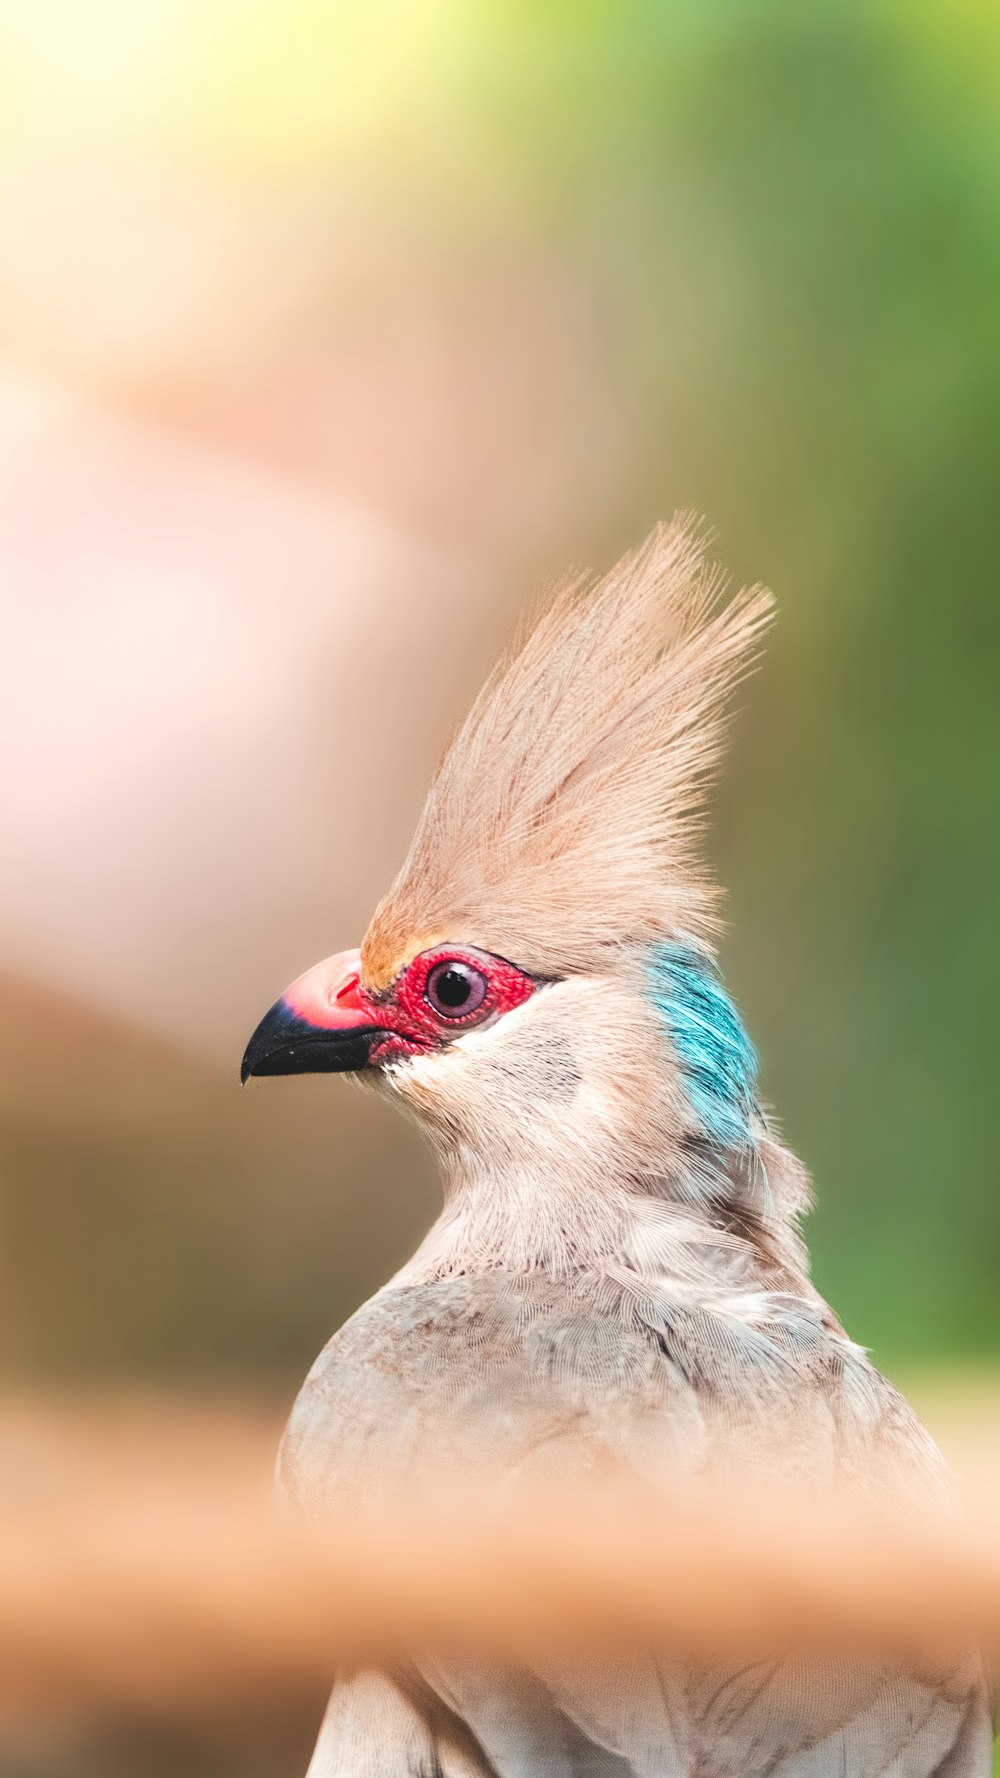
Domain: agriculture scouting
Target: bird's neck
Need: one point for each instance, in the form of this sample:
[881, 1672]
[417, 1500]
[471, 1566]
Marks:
[574, 1208]
[556, 1158]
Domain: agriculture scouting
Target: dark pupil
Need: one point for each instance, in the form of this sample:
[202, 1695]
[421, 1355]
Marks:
[452, 987]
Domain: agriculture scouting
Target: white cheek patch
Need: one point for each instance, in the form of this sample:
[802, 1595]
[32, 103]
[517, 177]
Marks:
[484, 1036]
[436, 1070]
[417, 1071]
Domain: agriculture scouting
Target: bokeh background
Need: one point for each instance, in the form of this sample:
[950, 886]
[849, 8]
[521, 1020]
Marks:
[328, 330]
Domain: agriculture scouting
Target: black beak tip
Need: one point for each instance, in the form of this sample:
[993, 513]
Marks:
[285, 1043]
[270, 1040]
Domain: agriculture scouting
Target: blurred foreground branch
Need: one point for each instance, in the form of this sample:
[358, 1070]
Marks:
[159, 1577]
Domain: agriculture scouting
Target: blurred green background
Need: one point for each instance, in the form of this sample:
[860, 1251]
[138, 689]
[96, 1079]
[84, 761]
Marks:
[509, 281]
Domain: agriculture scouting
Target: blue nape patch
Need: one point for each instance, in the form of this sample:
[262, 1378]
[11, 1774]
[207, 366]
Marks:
[717, 1059]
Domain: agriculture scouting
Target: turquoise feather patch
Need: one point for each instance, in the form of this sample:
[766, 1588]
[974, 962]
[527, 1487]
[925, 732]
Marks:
[717, 1059]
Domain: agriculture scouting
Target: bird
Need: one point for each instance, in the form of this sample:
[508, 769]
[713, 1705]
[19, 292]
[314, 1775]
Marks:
[619, 1262]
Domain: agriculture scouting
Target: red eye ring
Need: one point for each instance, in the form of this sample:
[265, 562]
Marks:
[444, 992]
[455, 989]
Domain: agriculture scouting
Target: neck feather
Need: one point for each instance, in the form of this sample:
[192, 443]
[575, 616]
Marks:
[604, 1125]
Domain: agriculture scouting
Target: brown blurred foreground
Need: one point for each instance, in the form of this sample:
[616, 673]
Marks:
[148, 1590]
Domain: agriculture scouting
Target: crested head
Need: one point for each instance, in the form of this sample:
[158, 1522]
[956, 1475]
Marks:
[564, 820]
[539, 986]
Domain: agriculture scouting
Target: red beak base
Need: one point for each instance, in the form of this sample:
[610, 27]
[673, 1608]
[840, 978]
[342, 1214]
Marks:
[323, 1024]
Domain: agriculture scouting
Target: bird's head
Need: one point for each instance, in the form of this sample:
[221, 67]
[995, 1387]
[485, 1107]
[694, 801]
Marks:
[334, 1019]
[540, 977]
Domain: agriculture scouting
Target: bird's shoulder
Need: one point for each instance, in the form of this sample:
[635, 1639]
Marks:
[438, 1371]
[429, 1373]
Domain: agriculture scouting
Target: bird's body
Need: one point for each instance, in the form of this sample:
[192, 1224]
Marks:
[617, 1276]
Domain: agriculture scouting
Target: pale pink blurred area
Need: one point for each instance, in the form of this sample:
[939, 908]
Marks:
[323, 322]
[222, 694]
[280, 458]
[222, 691]
[283, 445]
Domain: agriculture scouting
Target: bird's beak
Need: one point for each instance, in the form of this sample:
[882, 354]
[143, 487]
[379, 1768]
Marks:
[323, 1024]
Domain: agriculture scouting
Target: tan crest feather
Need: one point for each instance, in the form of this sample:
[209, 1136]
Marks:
[564, 819]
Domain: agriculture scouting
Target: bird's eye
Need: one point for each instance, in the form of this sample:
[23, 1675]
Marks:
[454, 989]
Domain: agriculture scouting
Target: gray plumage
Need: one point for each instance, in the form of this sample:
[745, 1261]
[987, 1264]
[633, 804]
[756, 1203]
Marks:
[618, 1270]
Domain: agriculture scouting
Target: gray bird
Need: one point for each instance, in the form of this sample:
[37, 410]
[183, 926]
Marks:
[617, 1267]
